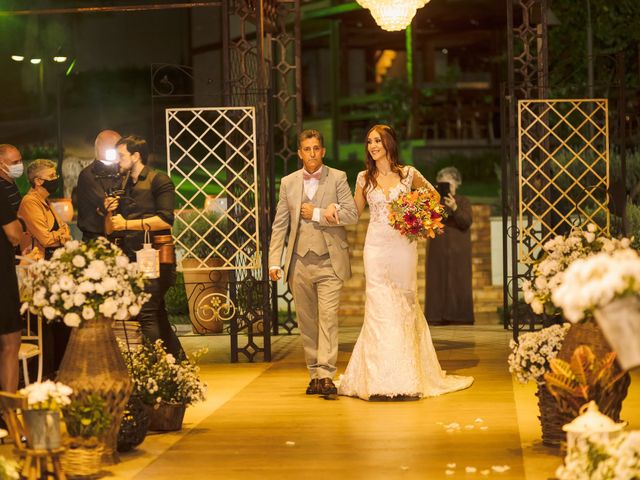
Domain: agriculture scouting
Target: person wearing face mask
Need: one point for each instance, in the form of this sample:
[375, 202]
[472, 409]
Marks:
[49, 232]
[147, 203]
[42, 223]
[11, 168]
[95, 182]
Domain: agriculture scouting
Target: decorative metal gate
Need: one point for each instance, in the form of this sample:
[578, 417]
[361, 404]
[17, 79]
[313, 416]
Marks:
[527, 60]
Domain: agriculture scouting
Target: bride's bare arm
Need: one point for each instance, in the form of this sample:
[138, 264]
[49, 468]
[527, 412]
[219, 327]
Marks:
[420, 182]
[360, 199]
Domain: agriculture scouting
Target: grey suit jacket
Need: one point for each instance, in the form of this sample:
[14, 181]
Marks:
[332, 188]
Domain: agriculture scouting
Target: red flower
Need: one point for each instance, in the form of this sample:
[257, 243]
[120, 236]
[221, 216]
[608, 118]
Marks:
[410, 218]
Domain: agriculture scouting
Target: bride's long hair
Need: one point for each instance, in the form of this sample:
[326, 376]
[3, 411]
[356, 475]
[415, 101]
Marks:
[390, 143]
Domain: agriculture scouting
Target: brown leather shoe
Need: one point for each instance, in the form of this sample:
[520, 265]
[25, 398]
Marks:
[326, 387]
[314, 387]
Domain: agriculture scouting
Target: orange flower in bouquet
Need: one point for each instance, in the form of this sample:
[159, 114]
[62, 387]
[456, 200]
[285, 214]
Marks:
[417, 214]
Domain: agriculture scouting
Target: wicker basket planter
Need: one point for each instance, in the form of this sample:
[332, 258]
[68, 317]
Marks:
[82, 461]
[166, 417]
[134, 426]
[551, 418]
[588, 333]
[93, 363]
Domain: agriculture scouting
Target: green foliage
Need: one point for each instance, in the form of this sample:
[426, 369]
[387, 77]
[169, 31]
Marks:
[191, 227]
[583, 379]
[87, 417]
[176, 297]
[615, 29]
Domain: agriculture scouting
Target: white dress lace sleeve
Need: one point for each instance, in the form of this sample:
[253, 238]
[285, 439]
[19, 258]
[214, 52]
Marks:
[360, 180]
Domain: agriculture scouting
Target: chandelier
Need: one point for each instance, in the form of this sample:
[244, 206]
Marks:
[393, 15]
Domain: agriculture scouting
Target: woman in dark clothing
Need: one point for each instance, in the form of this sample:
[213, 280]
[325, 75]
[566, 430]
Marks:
[449, 298]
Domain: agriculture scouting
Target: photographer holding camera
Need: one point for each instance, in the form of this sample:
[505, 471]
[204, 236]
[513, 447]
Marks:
[449, 297]
[95, 182]
[147, 204]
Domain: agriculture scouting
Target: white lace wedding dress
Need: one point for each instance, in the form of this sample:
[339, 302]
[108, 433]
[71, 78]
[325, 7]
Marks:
[394, 354]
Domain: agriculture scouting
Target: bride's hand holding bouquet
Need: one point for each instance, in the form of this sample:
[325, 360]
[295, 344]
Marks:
[417, 214]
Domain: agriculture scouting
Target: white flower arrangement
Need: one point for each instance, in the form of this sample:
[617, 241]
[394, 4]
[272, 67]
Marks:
[591, 459]
[529, 359]
[47, 395]
[83, 281]
[158, 377]
[9, 469]
[559, 253]
[595, 281]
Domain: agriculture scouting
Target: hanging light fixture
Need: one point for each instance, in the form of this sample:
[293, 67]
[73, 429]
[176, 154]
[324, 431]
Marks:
[393, 15]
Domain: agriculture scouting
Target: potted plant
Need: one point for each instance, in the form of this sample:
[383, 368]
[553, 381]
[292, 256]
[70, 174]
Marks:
[558, 254]
[42, 418]
[529, 360]
[9, 469]
[86, 419]
[198, 235]
[88, 286]
[606, 286]
[165, 385]
[585, 378]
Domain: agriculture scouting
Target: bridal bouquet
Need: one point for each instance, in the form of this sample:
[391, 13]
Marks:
[417, 214]
[83, 281]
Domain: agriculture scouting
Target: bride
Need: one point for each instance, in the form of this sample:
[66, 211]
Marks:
[394, 356]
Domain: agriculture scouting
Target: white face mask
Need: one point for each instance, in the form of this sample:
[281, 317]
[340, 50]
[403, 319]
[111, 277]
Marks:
[16, 170]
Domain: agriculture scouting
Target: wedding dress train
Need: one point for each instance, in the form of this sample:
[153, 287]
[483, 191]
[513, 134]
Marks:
[394, 354]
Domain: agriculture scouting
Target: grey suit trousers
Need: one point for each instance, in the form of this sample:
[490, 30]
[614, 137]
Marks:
[316, 293]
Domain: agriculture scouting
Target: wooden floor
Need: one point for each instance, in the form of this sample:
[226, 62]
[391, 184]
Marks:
[257, 423]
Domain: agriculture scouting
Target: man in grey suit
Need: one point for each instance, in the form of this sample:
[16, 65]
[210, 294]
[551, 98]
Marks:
[317, 257]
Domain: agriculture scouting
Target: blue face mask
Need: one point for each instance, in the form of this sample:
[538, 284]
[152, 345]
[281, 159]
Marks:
[16, 170]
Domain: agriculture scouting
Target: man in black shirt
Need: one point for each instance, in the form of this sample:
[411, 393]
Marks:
[95, 182]
[11, 167]
[148, 203]
[10, 321]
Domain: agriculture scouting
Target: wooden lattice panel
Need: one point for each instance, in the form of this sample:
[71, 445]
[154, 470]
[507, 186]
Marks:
[213, 152]
[563, 156]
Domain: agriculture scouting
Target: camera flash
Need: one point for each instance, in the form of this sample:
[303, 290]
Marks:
[110, 154]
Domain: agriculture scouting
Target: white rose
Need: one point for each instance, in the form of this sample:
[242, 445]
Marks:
[122, 261]
[537, 306]
[49, 312]
[72, 320]
[86, 287]
[108, 307]
[79, 261]
[66, 282]
[88, 313]
[134, 310]
[79, 299]
[109, 284]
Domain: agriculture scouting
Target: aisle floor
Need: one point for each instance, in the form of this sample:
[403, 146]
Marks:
[257, 422]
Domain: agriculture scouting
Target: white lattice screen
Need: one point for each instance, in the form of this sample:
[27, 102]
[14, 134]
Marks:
[212, 157]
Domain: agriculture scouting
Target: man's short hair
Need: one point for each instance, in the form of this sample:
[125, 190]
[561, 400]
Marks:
[307, 134]
[36, 167]
[135, 144]
[5, 148]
